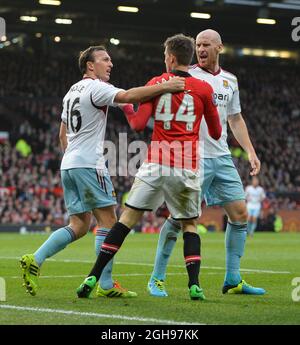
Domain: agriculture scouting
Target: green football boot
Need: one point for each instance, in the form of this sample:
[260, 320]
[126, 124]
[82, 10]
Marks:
[31, 272]
[116, 291]
[196, 293]
[86, 287]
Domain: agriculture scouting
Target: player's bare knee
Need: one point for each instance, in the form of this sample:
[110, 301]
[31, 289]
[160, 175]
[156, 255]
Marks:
[80, 224]
[244, 215]
[240, 215]
[108, 222]
[130, 217]
[106, 217]
[189, 225]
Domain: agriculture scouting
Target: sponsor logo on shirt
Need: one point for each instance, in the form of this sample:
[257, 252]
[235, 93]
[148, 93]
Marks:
[221, 97]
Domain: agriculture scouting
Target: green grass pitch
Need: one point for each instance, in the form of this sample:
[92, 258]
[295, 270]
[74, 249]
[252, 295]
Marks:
[271, 261]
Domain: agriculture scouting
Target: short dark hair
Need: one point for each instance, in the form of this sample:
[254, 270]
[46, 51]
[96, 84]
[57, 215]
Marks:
[88, 55]
[182, 47]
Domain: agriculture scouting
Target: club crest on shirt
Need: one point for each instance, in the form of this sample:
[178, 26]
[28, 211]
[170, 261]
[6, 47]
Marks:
[225, 84]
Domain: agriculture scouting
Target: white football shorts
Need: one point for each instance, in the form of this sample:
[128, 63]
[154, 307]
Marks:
[155, 184]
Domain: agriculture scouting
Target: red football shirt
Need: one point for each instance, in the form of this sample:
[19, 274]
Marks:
[177, 118]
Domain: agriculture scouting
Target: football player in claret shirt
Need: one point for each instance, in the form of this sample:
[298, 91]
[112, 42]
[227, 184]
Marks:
[221, 184]
[86, 182]
[170, 172]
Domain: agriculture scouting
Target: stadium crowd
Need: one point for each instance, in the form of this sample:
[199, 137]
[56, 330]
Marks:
[31, 91]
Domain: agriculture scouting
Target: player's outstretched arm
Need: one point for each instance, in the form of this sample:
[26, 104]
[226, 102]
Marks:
[138, 120]
[144, 93]
[240, 132]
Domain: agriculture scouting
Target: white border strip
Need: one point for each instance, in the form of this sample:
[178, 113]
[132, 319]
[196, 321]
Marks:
[103, 316]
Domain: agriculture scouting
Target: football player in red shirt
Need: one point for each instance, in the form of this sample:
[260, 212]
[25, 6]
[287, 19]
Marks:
[171, 171]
